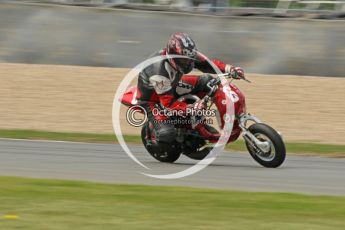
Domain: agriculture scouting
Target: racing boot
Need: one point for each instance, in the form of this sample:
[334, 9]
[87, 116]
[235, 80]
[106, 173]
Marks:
[207, 132]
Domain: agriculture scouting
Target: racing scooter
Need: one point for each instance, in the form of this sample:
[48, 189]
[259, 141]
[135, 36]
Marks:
[264, 144]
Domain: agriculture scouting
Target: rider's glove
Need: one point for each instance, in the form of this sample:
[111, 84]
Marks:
[235, 72]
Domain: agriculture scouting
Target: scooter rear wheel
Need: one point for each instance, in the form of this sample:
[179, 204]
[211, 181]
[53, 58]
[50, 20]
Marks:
[168, 156]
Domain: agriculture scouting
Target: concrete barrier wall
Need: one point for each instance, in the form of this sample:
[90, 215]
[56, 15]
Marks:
[48, 34]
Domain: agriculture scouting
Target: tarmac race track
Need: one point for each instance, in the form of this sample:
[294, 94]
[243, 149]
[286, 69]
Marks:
[109, 163]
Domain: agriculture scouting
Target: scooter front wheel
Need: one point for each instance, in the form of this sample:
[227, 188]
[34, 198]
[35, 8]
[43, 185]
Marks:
[274, 154]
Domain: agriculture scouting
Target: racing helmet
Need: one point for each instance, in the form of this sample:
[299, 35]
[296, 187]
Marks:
[181, 44]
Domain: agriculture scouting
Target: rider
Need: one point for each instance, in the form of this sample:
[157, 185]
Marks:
[163, 82]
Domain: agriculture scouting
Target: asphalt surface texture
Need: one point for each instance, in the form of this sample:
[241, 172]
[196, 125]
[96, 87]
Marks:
[109, 163]
[50, 34]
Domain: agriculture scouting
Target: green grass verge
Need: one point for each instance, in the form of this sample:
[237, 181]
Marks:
[338, 150]
[57, 204]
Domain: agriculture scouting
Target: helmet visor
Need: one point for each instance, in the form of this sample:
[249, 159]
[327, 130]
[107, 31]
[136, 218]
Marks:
[185, 64]
[184, 61]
